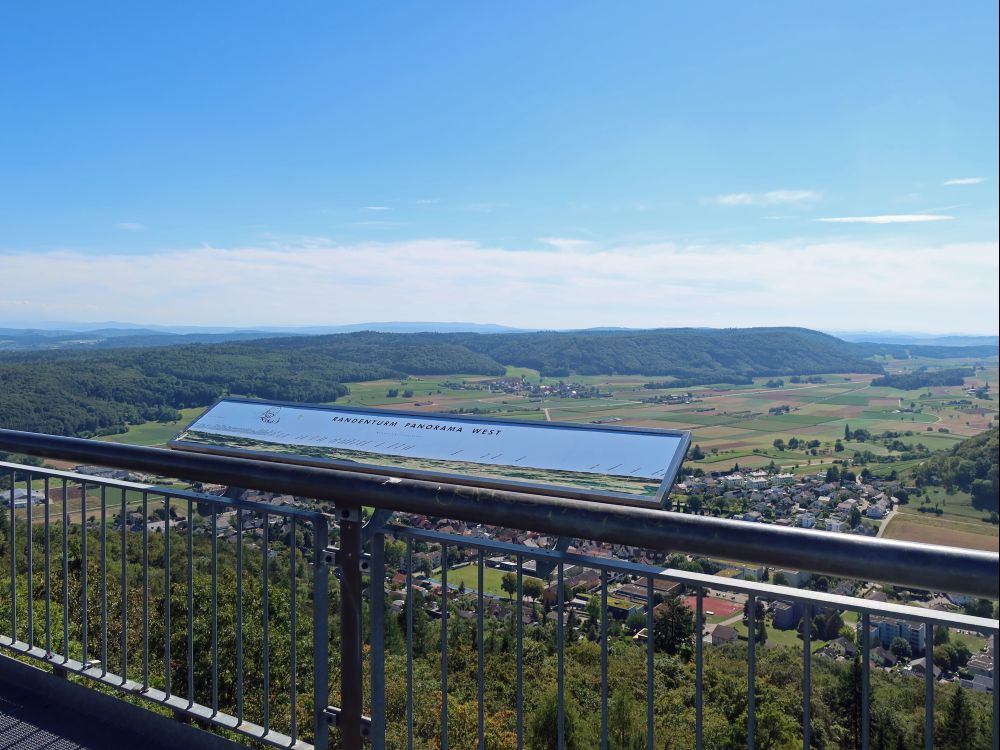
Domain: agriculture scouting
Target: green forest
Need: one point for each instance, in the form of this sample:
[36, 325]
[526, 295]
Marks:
[87, 393]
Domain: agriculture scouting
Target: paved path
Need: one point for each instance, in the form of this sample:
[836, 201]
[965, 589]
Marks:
[885, 522]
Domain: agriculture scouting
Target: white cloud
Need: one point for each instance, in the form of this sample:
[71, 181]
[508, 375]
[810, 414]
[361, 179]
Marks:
[130, 226]
[564, 243]
[771, 198]
[377, 208]
[965, 181]
[315, 281]
[887, 219]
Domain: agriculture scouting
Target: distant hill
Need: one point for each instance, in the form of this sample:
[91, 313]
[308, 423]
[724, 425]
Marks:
[117, 335]
[36, 339]
[917, 339]
[87, 392]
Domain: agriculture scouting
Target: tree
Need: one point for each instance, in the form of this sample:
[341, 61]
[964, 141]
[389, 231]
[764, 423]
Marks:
[832, 475]
[697, 454]
[625, 726]
[779, 444]
[947, 657]
[958, 730]
[847, 432]
[780, 579]
[979, 608]
[900, 648]
[673, 627]
[838, 447]
[635, 621]
[532, 587]
[854, 517]
[509, 584]
[543, 725]
[421, 626]
[941, 634]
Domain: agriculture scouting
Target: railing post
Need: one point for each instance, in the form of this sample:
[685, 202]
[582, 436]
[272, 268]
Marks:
[349, 569]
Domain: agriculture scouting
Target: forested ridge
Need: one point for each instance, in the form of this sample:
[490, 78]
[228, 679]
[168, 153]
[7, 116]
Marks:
[91, 392]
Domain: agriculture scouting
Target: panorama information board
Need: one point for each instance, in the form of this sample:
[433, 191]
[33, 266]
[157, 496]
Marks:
[574, 460]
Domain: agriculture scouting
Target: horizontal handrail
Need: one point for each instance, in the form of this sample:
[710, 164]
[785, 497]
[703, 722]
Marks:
[921, 566]
[693, 581]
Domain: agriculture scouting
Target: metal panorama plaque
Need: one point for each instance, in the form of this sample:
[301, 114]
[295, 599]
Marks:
[573, 460]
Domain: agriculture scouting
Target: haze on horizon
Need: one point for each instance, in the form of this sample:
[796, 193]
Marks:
[566, 166]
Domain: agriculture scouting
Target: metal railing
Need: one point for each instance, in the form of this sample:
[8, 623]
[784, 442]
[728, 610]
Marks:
[85, 558]
[135, 575]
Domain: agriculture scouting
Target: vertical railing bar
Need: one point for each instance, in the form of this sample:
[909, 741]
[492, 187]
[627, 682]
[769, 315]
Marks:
[215, 611]
[239, 616]
[292, 626]
[409, 643]
[30, 640]
[13, 559]
[266, 612]
[929, 685]
[83, 570]
[65, 570]
[321, 633]
[481, 655]
[519, 647]
[996, 691]
[48, 575]
[190, 602]
[444, 647]
[807, 677]
[751, 670]
[699, 669]
[865, 683]
[145, 590]
[166, 593]
[604, 659]
[104, 580]
[650, 646]
[123, 585]
[561, 680]
[377, 589]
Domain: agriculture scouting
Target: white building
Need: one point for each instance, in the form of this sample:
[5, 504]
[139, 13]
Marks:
[21, 498]
[885, 630]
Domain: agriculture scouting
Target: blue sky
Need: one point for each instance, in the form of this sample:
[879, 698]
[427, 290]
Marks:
[532, 164]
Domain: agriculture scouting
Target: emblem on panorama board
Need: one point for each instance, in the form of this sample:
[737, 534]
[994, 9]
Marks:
[271, 415]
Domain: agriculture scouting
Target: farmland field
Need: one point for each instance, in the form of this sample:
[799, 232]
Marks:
[933, 530]
[155, 433]
[731, 423]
